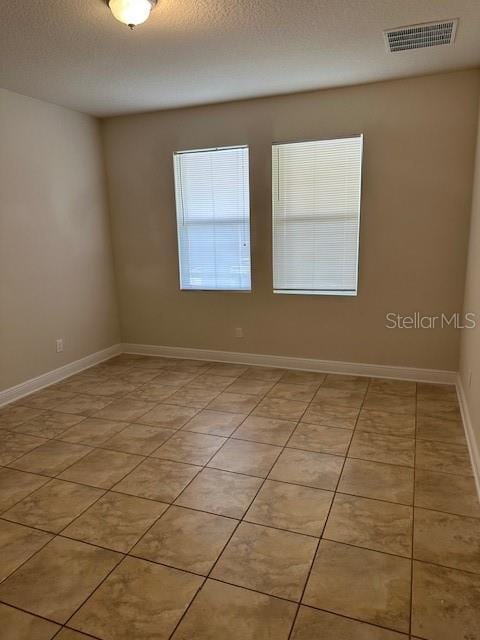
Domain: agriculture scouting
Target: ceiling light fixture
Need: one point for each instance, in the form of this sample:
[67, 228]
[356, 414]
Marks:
[131, 12]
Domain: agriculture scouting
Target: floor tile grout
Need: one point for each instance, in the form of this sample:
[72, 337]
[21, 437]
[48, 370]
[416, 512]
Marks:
[263, 480]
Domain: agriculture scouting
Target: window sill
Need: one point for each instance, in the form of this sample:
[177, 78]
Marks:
[305, 292]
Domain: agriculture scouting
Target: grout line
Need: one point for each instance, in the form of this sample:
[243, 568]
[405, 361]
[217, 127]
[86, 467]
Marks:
[202, 371]
[307, 580]
[410, 619]
[231, 535]
[114, 490]
[183, 429]
[298, 533]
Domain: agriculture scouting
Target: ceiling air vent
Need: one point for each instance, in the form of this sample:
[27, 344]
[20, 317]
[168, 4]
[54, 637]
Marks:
[420, 36]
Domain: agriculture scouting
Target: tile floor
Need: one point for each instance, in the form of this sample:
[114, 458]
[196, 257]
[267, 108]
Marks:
[154, 498]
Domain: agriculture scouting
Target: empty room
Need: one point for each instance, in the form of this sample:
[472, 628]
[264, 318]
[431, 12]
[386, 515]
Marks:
[240, 320]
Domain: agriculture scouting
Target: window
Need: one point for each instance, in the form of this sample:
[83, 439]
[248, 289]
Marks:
[213, 218]
[316, 216]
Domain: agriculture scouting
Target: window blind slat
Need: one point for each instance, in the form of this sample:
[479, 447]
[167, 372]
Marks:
[213, 218]
[316, 214]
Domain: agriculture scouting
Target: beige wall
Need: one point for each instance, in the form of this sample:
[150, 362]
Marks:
[418, 163]
[470, 342]
[56, 275]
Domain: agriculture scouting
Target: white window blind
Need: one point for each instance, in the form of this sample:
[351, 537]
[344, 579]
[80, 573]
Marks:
[213, 218]
[316, 216]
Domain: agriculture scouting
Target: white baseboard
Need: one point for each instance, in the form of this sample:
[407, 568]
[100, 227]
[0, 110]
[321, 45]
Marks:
[51, 377]
[469, 433]
[304, 364]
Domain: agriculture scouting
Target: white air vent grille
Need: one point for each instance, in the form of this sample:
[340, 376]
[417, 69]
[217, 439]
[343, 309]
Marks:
[419, 36]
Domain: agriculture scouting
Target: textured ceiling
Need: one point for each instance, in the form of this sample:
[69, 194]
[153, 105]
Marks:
[73, 53]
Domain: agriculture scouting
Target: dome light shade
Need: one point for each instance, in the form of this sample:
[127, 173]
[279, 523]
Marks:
[131, 12]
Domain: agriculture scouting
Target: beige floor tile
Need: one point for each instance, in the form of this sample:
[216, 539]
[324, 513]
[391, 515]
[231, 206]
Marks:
[16, 485]
[436, 391]
[446, 457]
[379, 448]
[444, 409]
[214, 423]
[116, 521]
[313, 624]
[340, 397]
[389, 403]
[446, 539]
[377, 480]
[265, 430]
[83, 405]
[101, 468]
[153, 392]
[267, 560]
[369, 586]
[138, 600]
[388, 424]
[280, 408]
[250, 386]
[126, 409]
[193, 448]
[312, 437]
[290, 506]
[110, 387]
[298, 392]
[14, 415]
[226, 369]
[193, 397]
[92, 431]
[15, 445]
[445, 492]
[76, 385]
[234, 403]
[329, 415]
[53, 506]
[190, 366]
[158, 480]
[186, 539]
[56, 581]
[45, 399]
[349, 383]
[446, 603]
[157, 364]
[309, 468]
[138, 438]
[173, 378]
[49, 425]
[373, 524]
[18, 625]
[439, 430]
[138, 376]
[223, 611]
[17, 544]
[220, 492]
[51, 458]
[169, 416]
[240, 456]
[267, 374]
[395, 387]
[209, 381]
[70, 634]
[302, 377]
[363, 596]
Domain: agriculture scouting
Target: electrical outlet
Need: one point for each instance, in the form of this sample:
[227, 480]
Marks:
[239, 332]
[59, 343]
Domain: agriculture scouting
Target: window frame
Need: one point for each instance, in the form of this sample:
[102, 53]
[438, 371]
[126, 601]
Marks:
[179, 253]
[348, 293]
